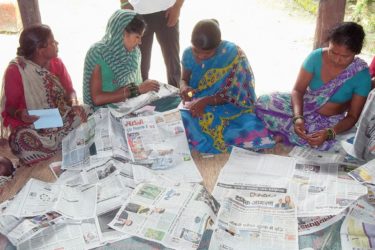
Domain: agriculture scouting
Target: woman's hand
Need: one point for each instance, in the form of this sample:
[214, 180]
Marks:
[148, 85]
[299, 128]
[197, 107]
[317, 138]
[184, 93]
[24, 116]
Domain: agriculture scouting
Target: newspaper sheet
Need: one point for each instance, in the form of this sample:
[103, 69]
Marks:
[101, 136]
[259, 222]
[364, 173]
[158, 141]
[324, 157]
[174, 216]
[67, 237]
[321, 232]
[132, 104]
[106, 233]
[358, 228]
[29, 227]
[247, 172]
[323, 189]
[7, 222]
[38, 197]
[364, 142]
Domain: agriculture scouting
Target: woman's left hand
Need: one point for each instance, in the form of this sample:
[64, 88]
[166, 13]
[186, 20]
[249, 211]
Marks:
[317, 138]
[197, 107]
[148, 85]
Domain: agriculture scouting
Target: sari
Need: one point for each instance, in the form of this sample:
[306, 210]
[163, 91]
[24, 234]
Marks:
[42, 90]
[119, 67]
[234, 123]
[276, 109]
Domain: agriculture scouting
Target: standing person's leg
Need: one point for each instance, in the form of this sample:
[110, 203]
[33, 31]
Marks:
[146, 46]
[169, 40]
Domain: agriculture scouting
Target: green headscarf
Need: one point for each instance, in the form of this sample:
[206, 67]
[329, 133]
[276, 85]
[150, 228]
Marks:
[124, 64]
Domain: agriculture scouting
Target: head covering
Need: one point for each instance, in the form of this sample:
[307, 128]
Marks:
[123, 63]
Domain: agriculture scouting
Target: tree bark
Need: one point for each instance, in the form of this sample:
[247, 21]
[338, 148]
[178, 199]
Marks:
[330, 13]
[30, 13]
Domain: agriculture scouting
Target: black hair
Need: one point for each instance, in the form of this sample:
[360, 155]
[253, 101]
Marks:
[136, 25]
[33, 38]
[206, 34]
[349, 34]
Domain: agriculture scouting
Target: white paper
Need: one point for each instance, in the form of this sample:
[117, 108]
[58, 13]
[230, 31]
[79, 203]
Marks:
[48, 118]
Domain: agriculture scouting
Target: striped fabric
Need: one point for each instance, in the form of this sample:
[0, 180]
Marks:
[123, 63]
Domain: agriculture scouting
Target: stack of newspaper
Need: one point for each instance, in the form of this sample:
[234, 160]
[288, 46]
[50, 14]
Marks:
[131, 179]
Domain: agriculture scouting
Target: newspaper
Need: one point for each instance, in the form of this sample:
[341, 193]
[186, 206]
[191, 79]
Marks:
[132, 104]
[259, 222]
[67, 237]
[247, 172]
[323, 189]
[106, 233]
[357, 230]
[316, 156]
[321, 232]
[27, 228]
[101, 136]
[38, 197]
[174, 216]
[364, 173]
[158, 141]
[364, 142]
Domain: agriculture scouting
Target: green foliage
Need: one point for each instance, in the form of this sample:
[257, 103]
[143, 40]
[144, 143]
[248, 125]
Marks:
[309, 5]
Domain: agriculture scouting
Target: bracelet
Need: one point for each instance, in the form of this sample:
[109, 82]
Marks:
[331, 134]
[296, 117]
[134, 90]
[123, 4]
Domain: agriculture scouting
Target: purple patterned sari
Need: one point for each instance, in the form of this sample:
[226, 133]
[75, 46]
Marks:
[277, 113]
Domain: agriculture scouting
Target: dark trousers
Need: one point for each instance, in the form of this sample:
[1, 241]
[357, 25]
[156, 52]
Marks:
[168, 38]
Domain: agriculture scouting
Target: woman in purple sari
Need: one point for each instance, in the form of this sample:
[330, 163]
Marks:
[328, 96]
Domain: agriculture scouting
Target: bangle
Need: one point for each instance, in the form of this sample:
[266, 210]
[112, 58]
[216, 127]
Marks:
[123, 4]
[133, 89]
[296, 117]
[331, 134]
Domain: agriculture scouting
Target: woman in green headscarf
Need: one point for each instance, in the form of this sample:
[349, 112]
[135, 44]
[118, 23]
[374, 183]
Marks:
[112, 66]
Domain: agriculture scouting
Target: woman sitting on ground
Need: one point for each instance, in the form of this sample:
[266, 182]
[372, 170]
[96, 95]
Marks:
[328, 96]
[37, 79]
[112, 66]
[218, 83]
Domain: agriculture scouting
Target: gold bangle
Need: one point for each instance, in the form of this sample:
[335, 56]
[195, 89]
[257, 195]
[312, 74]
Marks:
[296, 117]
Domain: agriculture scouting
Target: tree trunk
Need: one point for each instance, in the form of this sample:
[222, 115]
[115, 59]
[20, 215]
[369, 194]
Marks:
[30, 13]
[330, 13]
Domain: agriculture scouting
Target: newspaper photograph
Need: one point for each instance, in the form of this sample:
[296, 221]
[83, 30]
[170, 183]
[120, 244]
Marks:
[106, 233]
[259, 222]
[174, 216]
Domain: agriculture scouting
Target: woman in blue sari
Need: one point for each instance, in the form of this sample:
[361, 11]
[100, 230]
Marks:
[217, 87]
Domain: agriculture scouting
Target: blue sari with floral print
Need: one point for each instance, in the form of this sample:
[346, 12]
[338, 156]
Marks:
[234, 123]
